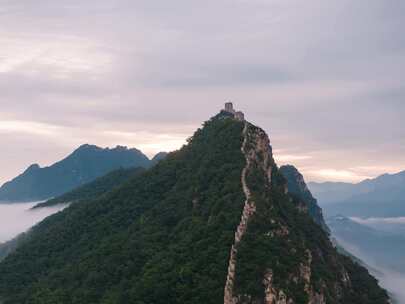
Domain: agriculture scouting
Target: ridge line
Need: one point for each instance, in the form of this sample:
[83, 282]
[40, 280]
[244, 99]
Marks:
[248, 210]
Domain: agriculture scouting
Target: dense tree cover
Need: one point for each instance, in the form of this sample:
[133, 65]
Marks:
[86, 192]
[298, 188]
[364, 285]
[82, 166]
[162, 238]
[10, 246]
[95, 188]
[280, 238]
[165, 237]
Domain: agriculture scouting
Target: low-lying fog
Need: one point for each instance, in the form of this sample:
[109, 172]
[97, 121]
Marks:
[394, 225]
[393, 280]
[18, 218]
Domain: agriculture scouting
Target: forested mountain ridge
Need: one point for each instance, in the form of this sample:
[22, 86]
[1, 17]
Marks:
[82, 166]
[10, 246]
[296, 186]
[210, 224]
[95, 188]
[89, 191]
[158, 157]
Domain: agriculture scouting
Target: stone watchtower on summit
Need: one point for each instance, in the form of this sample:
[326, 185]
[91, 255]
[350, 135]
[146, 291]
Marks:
[237, 114]
[229, 107]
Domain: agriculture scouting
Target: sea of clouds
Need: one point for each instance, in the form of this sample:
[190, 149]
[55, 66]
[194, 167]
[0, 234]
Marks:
[18, 218]
[394, 225]
[393, 281]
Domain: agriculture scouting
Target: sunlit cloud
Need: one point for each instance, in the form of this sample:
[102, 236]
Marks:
[29, 127]
[376, 170]
[284, 158]
[61, 56]
[72, 71]
[338, 175]
[148, 142]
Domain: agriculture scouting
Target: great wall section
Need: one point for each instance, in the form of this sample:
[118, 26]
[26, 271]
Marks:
[248, 210]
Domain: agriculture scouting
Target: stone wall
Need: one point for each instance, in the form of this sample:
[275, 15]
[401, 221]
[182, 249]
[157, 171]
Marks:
[256, 148]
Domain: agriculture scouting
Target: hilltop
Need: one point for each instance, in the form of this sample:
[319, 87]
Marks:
[85, 164]
[213, 223]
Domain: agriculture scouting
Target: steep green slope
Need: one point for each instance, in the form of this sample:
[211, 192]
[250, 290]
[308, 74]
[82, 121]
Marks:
[87, 192]
[10, 246]
[284, 256]
[297, 187]
[82, 166]
[166, 237]
[386, 249]
[95, 188]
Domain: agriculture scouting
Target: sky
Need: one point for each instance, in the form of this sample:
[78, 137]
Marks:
[324, 78]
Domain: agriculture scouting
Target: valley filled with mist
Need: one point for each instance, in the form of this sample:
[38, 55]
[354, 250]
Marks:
[17, 218]
[368, 220]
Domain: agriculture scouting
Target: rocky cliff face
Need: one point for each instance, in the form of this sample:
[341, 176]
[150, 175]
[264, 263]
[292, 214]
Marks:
[274, 259]
[257, 151]
[297, 187]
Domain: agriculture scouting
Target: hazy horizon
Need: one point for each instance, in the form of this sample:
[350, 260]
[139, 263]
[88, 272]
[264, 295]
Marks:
[324, 79]
[279, 162]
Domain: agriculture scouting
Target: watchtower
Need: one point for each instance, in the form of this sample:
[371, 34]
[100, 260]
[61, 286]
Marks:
[239, 116]
[229, 107]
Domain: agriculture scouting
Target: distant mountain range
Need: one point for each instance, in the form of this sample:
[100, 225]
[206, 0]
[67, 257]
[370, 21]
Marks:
[383, 196]
[384, 248]
[82, 166]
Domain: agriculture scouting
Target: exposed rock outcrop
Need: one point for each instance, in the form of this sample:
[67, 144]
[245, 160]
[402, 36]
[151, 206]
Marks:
[297, 187]
[271, 294]
[304, 275]
[257, 150]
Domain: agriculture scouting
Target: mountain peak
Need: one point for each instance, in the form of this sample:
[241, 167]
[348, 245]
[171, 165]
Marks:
[85, 147]
[229, 111]
[214, 218]
[33, 167]
[83, 165]
[158, 157]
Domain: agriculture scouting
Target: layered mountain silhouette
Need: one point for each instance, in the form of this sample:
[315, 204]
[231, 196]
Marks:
[213, 223]
[385, 248]
[82, 166]
[95, 188]
[158, 157]
[383, 196]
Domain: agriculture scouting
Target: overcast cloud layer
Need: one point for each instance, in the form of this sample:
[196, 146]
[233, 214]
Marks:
[324, 78]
